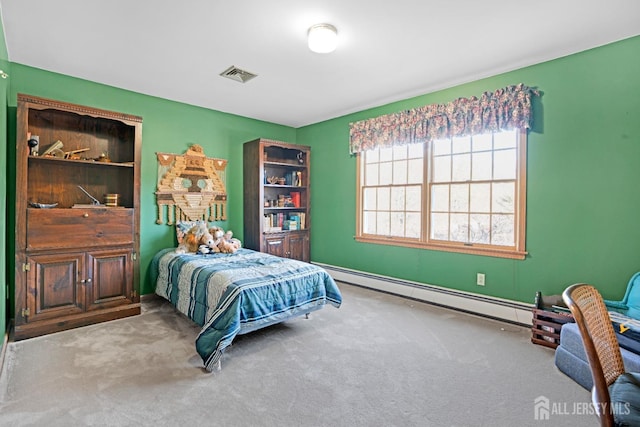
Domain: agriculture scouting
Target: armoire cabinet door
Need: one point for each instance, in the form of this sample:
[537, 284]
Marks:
[110, 278]
[298, 244]
[54, 287]
[275, 245]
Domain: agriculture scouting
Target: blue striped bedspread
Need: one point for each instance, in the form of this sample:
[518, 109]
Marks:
[230, 294]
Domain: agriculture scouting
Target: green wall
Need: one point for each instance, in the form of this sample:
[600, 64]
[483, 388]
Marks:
[583, 198]
[169, 127]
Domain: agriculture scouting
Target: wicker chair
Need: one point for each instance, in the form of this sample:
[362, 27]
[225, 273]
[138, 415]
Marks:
[616, 393]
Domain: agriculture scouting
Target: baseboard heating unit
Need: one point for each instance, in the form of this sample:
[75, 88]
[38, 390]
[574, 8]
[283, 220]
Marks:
[495, 308]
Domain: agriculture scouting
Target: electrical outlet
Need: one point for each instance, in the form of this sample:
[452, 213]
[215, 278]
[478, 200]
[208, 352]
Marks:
[480, 279]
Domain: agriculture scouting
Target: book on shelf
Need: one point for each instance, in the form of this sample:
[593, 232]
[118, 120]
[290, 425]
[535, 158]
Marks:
[283, 221]
[295, 198]
[273, 221]
[290, 225]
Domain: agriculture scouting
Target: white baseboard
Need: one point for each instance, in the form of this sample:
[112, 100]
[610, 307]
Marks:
[486, 306]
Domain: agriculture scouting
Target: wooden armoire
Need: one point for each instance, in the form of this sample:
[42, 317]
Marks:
[76, 257]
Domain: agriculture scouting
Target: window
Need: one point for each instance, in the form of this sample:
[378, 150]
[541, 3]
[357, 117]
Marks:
[462, 194]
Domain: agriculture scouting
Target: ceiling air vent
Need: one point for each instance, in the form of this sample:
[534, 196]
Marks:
[237, 74]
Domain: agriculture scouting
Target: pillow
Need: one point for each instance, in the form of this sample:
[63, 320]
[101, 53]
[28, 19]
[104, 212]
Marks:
[625, 399]
[182, 227]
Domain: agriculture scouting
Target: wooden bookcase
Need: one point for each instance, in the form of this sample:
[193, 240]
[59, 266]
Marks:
[75, 261]
[277, 208]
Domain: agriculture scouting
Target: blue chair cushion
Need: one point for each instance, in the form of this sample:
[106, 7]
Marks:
[625, 399]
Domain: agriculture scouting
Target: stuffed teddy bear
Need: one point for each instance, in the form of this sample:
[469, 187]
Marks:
[199, 239]
[194, 238]
[206, 242]
[228, 237]
[222, 242]
[226, 247]
[228, 244]
[216, 234]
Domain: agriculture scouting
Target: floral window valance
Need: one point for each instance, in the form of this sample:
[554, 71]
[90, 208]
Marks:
[504, 109]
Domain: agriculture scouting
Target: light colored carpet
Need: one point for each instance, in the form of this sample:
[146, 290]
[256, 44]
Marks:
[379, 360]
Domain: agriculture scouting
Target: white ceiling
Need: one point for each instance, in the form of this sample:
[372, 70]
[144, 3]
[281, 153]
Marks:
[388, 50]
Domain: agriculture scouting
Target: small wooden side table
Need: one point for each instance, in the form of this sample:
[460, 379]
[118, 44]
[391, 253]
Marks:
[545, 329]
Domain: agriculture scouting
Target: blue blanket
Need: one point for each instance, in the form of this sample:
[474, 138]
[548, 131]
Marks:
[627, 331]
[230, 294]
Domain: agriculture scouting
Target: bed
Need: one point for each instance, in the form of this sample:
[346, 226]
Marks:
[231, 294]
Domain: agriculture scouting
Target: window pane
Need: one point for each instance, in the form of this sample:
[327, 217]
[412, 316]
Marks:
[442, 169]
[461, 144]
[399, 152]
[504, 164]
[459, 198]
[382, 224]
[502, 230]
[440, 198]
[461, 167]
[481, 167]
[415, 171]
[397, 198]
[383, 199]
[441, 146]
[414, 198]
[479, 229]
[413, 225]
[386, 154]
[372, 156]
[372, 174]
[439, 226]
[415, 151]
[480, 198]
[502, 199]
[397, 224]
[369, 222]
[400, 172]
[506, 139]
[459, 228]
[385, 174]
[369, 199]
[482, 142]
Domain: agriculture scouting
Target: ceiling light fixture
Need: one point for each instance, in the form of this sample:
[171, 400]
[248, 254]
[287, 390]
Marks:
[322, 38]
